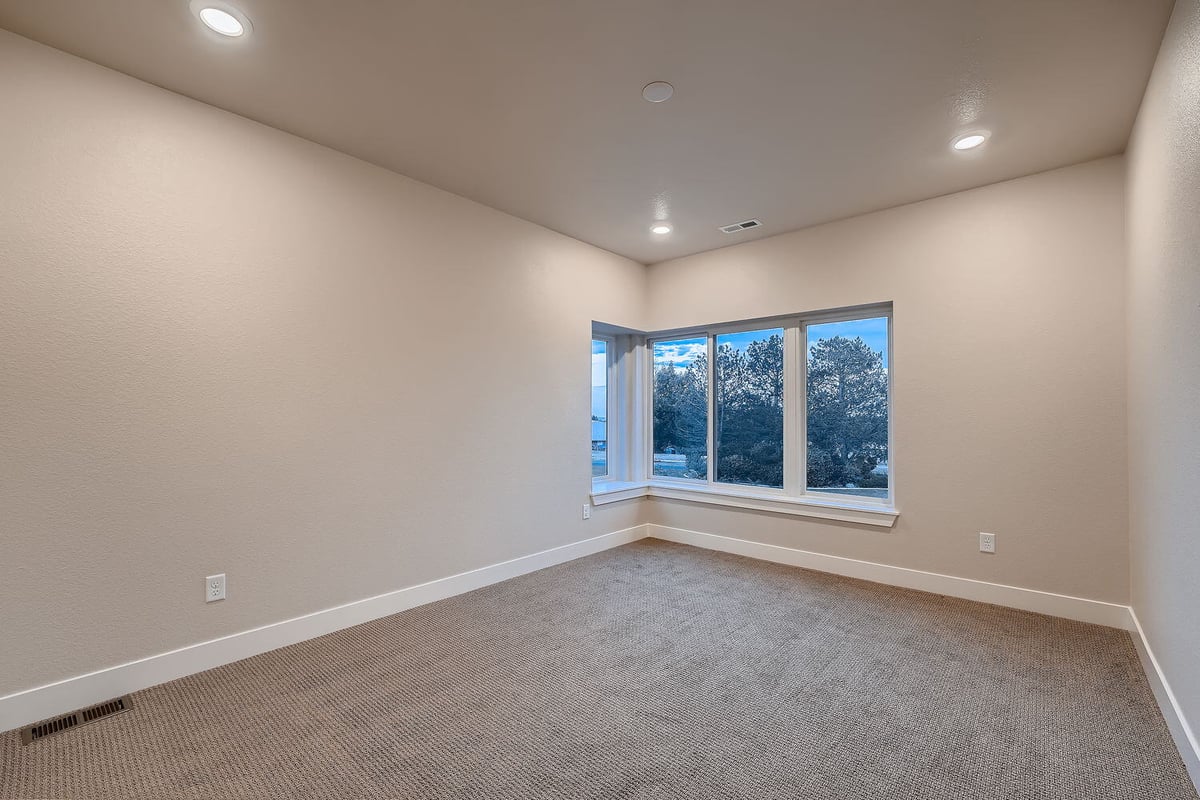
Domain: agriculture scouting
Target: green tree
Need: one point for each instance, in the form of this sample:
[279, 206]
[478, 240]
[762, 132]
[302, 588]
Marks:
[749, 413]
[847, 413]
[680, 412]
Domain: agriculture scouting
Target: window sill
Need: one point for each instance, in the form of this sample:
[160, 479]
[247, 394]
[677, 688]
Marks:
[616, 491]
[840, 510]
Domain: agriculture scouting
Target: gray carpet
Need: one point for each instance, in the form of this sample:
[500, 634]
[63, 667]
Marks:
[651, 671]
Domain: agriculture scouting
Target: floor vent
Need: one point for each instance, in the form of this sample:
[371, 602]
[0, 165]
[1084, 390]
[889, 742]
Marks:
[74, 719]
[737, 227]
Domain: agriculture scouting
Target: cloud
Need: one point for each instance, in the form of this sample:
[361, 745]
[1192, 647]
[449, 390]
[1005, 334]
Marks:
[599, 385]
[680, 353]
[599, 369]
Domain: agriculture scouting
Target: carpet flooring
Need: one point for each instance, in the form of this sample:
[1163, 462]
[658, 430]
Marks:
[651, 671]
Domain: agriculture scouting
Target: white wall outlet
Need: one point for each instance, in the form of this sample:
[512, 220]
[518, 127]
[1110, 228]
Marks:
[214, 588]
[587, 511]
[987, 542]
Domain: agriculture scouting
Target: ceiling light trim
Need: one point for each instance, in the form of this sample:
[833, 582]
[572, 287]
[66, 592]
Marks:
[969, 141]
[198, 7]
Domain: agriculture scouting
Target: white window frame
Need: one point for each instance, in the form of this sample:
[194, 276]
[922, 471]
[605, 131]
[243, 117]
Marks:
[648, 407]
[626, 352]
[844, 315]
[794, 497]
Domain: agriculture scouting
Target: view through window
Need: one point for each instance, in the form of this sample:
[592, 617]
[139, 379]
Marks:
[681, 409]
[748, 424]
[599, 408]
[840, 382]
[847, 408]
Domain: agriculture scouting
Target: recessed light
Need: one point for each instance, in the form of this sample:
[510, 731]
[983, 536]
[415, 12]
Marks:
[223, 21]
[969, 141]
[658, 92]
[661, 228]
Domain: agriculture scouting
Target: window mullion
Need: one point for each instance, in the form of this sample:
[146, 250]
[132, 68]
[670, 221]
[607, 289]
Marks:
[637, 409]
[800, 413]
[710, 461]
[793, 413]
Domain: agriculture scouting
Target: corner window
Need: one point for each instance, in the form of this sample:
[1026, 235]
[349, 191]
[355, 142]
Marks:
[798, 408]
[788, 415]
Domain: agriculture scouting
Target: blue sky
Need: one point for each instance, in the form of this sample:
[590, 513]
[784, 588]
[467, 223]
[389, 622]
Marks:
[740, 341]
[871, 331]
[682, 352]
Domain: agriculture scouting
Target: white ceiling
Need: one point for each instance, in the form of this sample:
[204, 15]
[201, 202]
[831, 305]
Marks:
[791, 111]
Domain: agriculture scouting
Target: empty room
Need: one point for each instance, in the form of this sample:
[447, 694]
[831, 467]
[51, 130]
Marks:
[547, 399]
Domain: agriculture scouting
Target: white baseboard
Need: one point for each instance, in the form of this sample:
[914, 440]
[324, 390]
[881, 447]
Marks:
[1055, 605]
[32, 705]
[1181, 731]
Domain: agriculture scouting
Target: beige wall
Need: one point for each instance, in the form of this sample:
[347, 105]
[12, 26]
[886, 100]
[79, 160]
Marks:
[1009, 404]
[228, 349]
[224, 348]
[1164, 358]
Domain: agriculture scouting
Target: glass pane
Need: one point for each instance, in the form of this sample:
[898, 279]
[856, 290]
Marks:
[748, 433]
[848, 408]
[599, 408]
[681, 409]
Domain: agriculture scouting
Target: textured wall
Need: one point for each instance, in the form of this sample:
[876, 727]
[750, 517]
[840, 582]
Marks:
[1164, 358]
[1009, 406]
[228, 349]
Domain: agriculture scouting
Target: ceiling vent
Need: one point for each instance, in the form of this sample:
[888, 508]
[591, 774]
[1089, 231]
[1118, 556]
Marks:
[74, 719]
[738, 227]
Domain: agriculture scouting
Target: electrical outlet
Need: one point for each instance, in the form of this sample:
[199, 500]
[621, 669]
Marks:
[214, 588]
[987, 542]
[587, 511]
